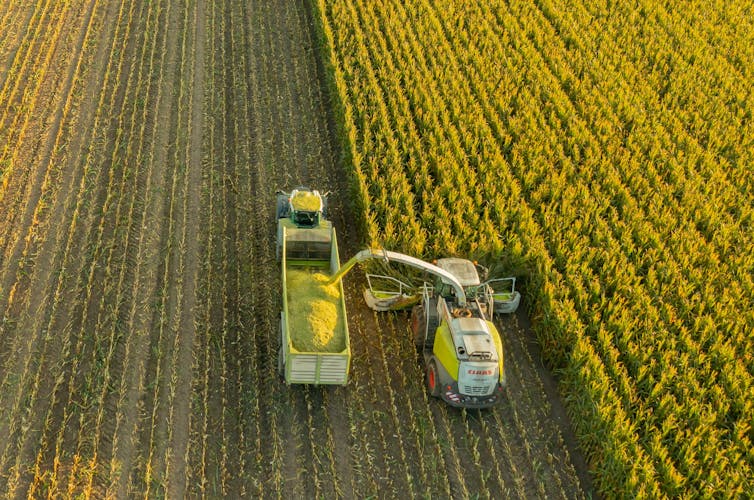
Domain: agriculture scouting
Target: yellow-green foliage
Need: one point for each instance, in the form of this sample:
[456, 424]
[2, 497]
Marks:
[307, 201]
[608, 147]
[315, 323]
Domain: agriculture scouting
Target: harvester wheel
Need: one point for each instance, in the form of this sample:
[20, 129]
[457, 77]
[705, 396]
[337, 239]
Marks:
[433, 380]
[281, 367]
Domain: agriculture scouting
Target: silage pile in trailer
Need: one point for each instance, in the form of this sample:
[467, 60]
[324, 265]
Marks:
[315, 324]
[306, 201]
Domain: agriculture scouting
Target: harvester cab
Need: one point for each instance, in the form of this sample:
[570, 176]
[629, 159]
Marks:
[466, 272]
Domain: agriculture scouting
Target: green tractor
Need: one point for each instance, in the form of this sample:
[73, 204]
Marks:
[307, 250]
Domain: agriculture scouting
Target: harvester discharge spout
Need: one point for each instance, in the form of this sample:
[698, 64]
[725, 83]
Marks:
[390, 256]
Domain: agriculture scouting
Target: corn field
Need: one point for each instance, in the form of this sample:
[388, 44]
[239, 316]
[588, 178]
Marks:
[603, 150]
[141, 145]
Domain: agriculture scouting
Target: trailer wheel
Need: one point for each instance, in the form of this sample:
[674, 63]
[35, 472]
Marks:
[433, 380]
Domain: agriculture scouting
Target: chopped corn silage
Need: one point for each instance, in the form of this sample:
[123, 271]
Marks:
[306, 201]
[314, 320]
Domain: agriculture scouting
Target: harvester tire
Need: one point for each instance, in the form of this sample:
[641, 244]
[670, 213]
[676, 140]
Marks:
[433, 380]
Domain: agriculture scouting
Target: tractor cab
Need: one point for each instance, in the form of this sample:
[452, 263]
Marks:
[303, 215]
[303, 206]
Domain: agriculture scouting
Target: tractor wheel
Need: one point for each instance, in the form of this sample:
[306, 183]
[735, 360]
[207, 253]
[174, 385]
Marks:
[281, 210]
[433, 380]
